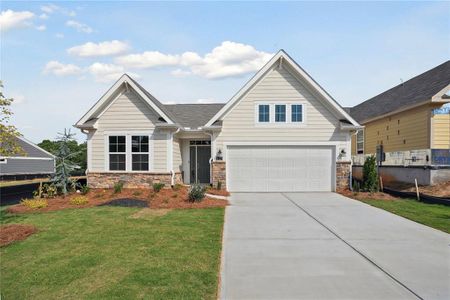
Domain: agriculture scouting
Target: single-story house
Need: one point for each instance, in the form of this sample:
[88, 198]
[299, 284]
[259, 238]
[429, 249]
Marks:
[35, 162]
[280, 132]
[411, 122]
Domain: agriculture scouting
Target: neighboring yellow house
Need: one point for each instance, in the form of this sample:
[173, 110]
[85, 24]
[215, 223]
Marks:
[411, 121]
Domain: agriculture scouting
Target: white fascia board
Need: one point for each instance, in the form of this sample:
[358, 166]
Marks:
[285, 58]
[123, 79]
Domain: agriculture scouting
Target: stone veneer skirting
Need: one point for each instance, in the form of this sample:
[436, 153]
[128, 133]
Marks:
[343, 169]
[130, 180]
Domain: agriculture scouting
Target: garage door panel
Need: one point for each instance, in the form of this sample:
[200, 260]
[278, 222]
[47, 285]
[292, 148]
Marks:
[279, 168]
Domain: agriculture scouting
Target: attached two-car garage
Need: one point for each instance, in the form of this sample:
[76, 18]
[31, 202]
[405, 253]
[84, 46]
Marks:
[280, 168]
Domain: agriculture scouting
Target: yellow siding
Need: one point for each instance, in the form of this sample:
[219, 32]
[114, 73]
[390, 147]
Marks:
[404, 131]
[441, 131]
[353, 144]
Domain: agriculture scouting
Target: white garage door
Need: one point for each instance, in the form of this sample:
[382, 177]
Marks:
[280, 168]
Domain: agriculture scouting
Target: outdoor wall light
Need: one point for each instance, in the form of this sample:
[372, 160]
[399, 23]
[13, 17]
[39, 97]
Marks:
[219, 155]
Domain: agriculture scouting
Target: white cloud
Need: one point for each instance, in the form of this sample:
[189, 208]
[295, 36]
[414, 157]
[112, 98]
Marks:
[59, 35]
[100, 49]
[43, 16]
[227, 60]
[206, 100]
[10, 19]
[41, 27]
[59, 69]
[180, 73]
[80, 27]
[50, 8]
[107, 72]
[18, 98]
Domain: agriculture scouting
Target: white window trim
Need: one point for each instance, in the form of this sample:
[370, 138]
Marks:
[357, 149]
[288, 122]
[128, 153]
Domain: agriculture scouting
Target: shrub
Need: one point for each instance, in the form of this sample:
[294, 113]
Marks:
[35, 203]
[79, 200]
[370, 176]
[158, 186]
[137, 193]
[196, 193]
[356, 187]
[46, 191]
[219, 185]
[118, 187]
[85, 189]
[177, 187]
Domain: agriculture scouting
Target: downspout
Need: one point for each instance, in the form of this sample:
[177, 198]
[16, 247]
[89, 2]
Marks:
[351, 161]
[172, 172]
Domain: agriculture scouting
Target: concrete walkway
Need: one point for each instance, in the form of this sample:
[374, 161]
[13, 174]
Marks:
[326, 246]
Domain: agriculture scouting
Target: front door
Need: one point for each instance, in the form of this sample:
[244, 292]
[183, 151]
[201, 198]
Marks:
[200, 153]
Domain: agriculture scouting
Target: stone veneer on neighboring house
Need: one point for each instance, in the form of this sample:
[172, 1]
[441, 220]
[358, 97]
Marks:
[343, 169]
[131, 180]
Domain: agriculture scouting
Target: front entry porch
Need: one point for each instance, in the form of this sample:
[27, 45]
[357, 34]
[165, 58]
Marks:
[199, 161]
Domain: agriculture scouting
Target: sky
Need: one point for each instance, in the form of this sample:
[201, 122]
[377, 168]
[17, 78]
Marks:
[58, 58]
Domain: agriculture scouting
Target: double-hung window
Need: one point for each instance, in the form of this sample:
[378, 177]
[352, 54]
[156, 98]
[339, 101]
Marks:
[264, 113]
[117, 153]
[360, 142]
[139, 152]
[280, 113]
[296, 113]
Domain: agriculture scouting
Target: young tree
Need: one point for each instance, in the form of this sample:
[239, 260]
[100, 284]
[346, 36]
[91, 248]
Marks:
[80, 158]
[64, 162]
[370, 176]
[8, 132]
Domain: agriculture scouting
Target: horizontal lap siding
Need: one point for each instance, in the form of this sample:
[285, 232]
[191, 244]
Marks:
[279, 85]
[128, 113]
[441, 131]
[177, 163]
[27, 166]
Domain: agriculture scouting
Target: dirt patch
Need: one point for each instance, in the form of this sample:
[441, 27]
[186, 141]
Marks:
[15, 232]
[212, 191]
[166, 198]
[439, 190]
[149, 213]
[368, 196]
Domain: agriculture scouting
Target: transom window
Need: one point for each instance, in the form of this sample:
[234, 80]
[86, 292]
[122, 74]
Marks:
[140, 152]
[264, 113]
[117, 153]
[360, 142]
[296, 113]
[280, 113]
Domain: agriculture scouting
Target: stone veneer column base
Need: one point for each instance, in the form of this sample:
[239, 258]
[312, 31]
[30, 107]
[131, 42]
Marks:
[343, 169]
[107, 180]
[219, 173]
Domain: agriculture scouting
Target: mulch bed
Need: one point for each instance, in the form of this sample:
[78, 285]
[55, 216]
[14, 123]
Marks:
[367, 196]
[166, 198]
[15, 232]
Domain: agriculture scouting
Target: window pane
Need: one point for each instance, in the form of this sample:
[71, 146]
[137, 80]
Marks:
[117, 162]
[263, 113]
[121, 148]
[140, 162]
[117, 144]
[121, 139]
[139, 143]
[296, 113]
[280, 113]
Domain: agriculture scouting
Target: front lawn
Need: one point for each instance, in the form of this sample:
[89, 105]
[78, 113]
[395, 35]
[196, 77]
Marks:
[112, 252]
[433, 215]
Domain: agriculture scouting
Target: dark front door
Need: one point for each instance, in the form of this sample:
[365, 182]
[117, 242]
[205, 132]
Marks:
[200, 153]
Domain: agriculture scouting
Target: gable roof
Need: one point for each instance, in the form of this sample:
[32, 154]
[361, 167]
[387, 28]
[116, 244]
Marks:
[283, 57]
[193, 115]
[412, 92]
[31, 150]
[100, 105]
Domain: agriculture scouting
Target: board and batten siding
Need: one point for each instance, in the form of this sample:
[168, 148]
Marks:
[280, 86]
[128, 113]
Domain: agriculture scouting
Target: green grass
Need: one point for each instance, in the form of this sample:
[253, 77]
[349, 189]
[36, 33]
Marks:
[103, 253]
[433, 215]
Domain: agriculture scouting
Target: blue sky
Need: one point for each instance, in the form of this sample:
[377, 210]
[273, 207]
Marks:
[58, 58]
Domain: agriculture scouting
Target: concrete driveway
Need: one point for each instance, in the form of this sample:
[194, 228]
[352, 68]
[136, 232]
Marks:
[326, 246]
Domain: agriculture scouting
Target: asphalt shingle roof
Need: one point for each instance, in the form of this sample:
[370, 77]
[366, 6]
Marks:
[413, 91]
[193, 115]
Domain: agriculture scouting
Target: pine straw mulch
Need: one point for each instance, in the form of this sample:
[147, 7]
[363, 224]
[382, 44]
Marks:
[15, 232]
[367, 196]
[165, 198]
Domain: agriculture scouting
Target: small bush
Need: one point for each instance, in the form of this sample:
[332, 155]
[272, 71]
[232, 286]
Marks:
[137, 193]
[177, 187]
[46, 191]
[158, 186]
[35, 203]
[219, 185]
[118, 187]
[85, 189]
[79, 200]
[370, 176]
[196, 193]
[356, 187]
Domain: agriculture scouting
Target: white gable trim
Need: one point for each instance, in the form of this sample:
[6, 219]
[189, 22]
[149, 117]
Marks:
[284, 58]
[123, 79]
